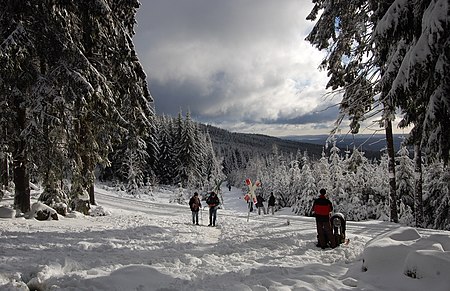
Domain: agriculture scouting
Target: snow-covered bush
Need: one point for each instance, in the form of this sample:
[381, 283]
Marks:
[98, 211]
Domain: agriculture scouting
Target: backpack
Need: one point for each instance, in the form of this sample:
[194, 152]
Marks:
[195, 204]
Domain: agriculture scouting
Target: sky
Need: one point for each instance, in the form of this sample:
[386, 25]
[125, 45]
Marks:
[145, 243]
[239, 65]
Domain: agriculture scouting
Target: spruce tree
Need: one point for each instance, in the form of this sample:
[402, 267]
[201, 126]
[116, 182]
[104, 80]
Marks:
[355, 66]
[19, 73]
[167, 159]
[415, 35]
[405, 177]
[189, 154]
[71, 66]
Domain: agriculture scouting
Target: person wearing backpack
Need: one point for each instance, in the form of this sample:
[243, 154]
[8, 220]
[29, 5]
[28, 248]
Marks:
[213, 203]
[260, 204]
[195, 205]
[322, 208]
[271, 203]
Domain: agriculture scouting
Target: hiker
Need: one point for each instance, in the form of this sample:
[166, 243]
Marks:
[338, 223]
[271, 204]
[213, 203]
[249, 201]
[195, 205]
[260, 204]
[322, 208]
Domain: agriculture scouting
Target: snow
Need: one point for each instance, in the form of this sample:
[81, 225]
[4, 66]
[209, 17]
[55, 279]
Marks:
[147, 243]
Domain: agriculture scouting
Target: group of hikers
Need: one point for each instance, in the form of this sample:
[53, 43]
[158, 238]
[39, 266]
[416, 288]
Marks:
[213, 202]
[260, 204]
[330, 228]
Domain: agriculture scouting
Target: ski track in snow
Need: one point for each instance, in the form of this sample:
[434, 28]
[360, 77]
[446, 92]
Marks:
[207, 248]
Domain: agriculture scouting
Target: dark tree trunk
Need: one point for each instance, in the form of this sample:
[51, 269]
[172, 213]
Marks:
[21, 179]
[391, 169]
[91, 194]
[418, 201]
[4, 169]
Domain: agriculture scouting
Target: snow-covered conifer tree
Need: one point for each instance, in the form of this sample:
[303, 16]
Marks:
[308, 191]
[355, 66]
[280, 182]
[166, 163]
[189, 154]
[322, 172]
[80, 67]
[415, 35]
[405, 178]
[336, 169]
[212, 166]
[295, 187]
[442, 211]
[436, 196]
[381, 187]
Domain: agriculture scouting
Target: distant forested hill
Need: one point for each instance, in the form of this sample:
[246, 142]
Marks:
[225, 141]
[372, 145]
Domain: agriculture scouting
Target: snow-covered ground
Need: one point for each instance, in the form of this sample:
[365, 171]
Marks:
[149, 244]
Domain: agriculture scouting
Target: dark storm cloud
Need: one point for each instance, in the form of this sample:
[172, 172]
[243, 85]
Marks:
[233, 63]
[324, 116]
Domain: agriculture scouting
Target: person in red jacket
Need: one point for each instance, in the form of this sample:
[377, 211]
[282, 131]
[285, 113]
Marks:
[322, 208]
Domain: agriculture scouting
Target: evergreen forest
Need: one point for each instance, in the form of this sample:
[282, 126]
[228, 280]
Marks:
[75, 108]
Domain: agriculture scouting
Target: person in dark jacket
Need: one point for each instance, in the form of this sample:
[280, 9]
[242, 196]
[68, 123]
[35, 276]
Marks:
[195, 205]
[338, 224]
[322, 208]
[260, 204]
[271, 204]
[213, 203]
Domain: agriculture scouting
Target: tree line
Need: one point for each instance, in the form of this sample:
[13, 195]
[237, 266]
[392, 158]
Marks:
[185, 157]
[358, 186]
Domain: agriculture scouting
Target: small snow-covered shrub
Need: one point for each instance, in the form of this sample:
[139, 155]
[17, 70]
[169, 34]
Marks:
[98, 211]
[80, 205]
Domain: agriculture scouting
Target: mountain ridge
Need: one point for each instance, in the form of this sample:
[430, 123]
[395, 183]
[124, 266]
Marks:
[223, 140]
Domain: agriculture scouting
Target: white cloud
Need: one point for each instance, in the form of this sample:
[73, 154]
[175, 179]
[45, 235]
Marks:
[233, 61]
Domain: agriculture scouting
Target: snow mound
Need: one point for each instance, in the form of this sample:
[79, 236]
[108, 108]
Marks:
[40, 211]
[132, 277]
[405, 252]
[74, 214]
[428, 264]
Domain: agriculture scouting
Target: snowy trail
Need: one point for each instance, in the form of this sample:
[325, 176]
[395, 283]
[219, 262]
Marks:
[152, 245]
[295, 242]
